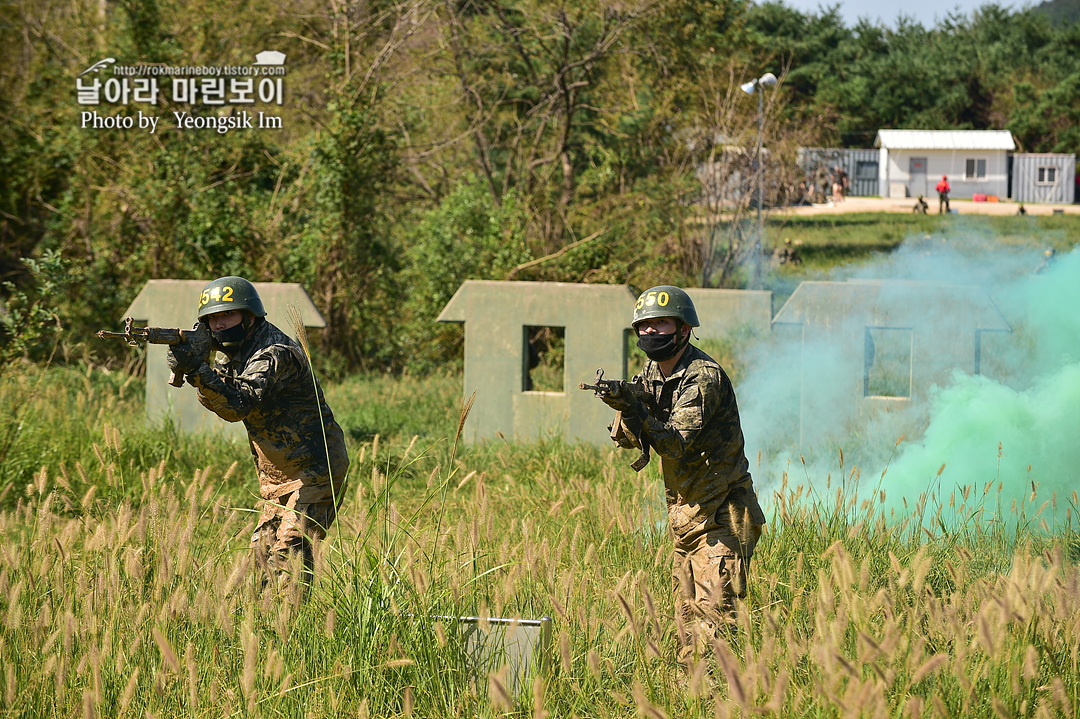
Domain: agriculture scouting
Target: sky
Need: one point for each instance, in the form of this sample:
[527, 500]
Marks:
[926, 12]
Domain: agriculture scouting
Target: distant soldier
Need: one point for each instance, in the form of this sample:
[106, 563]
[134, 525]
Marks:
[821, 184]
[920, 206]
[943, 194]
[265, 381]
[1048, 261]
[787, 255]
[839, 182]
[689, 415]
[1021, 211]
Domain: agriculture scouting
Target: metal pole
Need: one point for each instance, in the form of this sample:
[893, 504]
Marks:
[760, 191]
[757, 155]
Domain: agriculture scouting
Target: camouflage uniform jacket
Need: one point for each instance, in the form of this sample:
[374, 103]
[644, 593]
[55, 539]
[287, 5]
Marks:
[694, 427]
[269, 387]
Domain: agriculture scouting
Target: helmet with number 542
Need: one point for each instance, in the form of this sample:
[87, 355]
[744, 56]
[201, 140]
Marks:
[665, 301]
[230, 293]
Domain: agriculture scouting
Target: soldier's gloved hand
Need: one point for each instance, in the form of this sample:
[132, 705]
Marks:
[623, 401]
[184, 358]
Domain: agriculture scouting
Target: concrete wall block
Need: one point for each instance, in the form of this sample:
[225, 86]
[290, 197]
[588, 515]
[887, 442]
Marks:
[594, 319]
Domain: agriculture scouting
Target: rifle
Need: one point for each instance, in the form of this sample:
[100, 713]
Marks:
[607, 387]
[199, 335]
[615, 388]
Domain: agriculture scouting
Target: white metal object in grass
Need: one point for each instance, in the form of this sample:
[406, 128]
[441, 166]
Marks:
[521, 645]
[524, 645]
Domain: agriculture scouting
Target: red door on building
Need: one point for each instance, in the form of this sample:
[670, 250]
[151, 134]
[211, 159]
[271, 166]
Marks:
[917, 176]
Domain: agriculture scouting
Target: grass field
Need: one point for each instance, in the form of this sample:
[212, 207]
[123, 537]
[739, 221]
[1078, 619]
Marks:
[823, 241]
[835, 246]
[126, 590]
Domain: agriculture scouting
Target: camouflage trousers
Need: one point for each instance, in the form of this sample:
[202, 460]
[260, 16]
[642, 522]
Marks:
[287, 532]
[710, 568]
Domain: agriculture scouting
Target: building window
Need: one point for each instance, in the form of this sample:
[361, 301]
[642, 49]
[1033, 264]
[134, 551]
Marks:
[866, 170]
[1046, 176]
[975, 169]
[887, 368]
[545, 352]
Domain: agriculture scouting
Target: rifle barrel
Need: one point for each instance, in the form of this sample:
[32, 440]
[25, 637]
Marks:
[154, 335]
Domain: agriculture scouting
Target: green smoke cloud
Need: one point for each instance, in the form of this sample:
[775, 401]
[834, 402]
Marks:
[1026, 398]
[1032, 411]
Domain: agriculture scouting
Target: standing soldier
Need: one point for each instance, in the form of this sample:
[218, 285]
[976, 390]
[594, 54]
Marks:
[821, 184]
[839, 182]
[1048, 261]
[687, 412]
[265, 381]
[943, 194]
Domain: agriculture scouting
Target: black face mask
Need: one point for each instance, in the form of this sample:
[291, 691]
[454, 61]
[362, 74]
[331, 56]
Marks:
[232, 338]
[659, 347]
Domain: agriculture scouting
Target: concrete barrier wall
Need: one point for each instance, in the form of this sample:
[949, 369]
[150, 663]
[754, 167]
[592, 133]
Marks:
[595, 319]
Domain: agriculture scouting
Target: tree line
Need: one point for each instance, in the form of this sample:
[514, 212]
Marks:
[424, 142]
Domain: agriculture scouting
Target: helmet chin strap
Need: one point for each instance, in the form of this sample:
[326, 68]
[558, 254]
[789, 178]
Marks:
[684, 339]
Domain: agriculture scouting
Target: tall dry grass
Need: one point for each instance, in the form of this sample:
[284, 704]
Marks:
[141, 601]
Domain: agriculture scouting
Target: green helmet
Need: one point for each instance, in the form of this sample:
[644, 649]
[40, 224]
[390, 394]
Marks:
[665, 301]
[230, 293]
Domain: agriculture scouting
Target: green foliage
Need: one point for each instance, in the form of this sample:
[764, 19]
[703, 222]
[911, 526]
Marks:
[397, 407]
[343, 247]
[1059, 11]
[570, 137]
[87, 426]
[29, 324]
[468, 236]
[145, 27]
[1048, 119]
[956, 75]
[35, 163]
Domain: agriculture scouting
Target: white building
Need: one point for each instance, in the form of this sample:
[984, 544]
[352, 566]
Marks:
[976, 162]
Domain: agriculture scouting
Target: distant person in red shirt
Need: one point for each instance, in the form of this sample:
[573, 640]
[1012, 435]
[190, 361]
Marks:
[943, 194]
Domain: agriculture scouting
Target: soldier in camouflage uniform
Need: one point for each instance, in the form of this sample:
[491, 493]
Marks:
[265, 381]
[687, 412]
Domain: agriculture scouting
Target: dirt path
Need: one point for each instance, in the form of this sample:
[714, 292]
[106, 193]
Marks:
[961, 207]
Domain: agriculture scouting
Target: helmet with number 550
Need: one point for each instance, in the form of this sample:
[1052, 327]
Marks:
[230, 293]
[665, 301]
